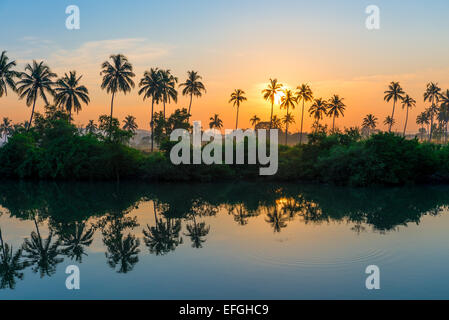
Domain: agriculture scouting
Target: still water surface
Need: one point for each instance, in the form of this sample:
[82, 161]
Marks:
[222, 241]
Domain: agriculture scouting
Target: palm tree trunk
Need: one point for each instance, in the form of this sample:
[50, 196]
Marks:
[164, 109]
[237, 118]
[112, 109]
[190, 105]
[431, 127]
[271, 117]
[392, 116]
[152, 125]
[333, 123]
[286, 128]
[302, 119]
[406, 119]
[32, 114]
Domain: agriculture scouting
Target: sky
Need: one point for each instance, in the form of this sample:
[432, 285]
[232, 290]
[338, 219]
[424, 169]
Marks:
[237, 45]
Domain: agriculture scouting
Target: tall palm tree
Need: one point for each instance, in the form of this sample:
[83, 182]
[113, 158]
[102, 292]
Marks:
[237, 97]
[150, 87]
[407, 102]
[6, 128]
[288, 101]
[335, 108]
[193, 86]
[304, 94]
[318, 109]
[215, 122]
[270, 93]
[11, 265]
[129, 124]
[69, 93]
[7, 75]
[389, 121]
[254, 121]
[117, 76]
[167, 87]
[369, 122]
[422, 119]
[396, 93]
[432, 94]
[287, 120]
[35, 81]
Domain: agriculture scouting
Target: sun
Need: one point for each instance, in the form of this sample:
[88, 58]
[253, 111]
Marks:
[278, 96]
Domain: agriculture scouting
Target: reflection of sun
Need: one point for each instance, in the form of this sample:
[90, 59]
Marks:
[278, 97]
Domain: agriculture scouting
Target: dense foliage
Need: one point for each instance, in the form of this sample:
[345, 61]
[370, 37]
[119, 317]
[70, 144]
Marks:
[55, 149]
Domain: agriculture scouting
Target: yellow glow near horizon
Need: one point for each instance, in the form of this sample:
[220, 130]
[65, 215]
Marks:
[278, 96]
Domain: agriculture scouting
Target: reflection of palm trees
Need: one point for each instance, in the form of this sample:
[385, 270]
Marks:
[164, 236]
[197, 232]
[121, 250]
[10, 265]
[42, 254]
[290, 208]
[76, 239]
[240, 214]
[277, 219]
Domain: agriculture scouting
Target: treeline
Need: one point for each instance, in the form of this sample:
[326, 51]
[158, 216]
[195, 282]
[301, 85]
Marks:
[54, 149]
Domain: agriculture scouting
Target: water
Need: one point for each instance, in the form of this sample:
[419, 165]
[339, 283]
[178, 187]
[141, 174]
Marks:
[224, 241]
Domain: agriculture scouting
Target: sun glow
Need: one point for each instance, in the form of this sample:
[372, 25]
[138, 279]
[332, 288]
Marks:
[278, 96]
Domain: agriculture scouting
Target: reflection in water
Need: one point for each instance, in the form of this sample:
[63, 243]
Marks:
[66, 217]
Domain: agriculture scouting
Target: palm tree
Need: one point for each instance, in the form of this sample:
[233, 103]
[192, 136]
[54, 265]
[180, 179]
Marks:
[215, 122]
[335, 108]
[69, 93]
[370, 122]
[130, 124]
[237, 97]
[150, 87]
[193, 86]
[396, 93]
[196, 232]
[432, 94]
[37, 82]
[389, 121]
[117, 77]
[269, 94]
[288, 101]
[7, 75]
[286, 120]
[6, 128]
[277, 123]
[276, 218]
[318, 109]
[407, 102]
[11, 265]
[254, 121]
[91, 127]
[167, 87]
[304, 94]
[422, 119]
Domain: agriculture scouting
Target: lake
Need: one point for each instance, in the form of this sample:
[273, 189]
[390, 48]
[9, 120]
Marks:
[222, 241]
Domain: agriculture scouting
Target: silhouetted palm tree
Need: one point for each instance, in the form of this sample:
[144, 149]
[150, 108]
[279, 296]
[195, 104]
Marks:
[129, 124]
[75, 239]
[7, 74]
[318, 109]
[276, 123]
[369, 122]
[389, 121]
[287, 120]
[69, 93]
[432, 94]
[11, 265]
[35, 81]
[215, 122]
[254, 121]
[150, 87]
[422, 119]
[396, 93]
[288, 101]
[276, 218]
[237, 97]
[335, 108]
[193, 87]
[270, 93]
[407, 102]
[117, 76]
[196, 232]
[167, 87]
[42, 254]
[304, 94]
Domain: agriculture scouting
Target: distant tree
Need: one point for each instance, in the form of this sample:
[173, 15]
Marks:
[6, 128]
[91, 127]
[287, 120]
[396, 93]
[304, 94]
[318, 109]
[389, 121]
[215, 122]
[192, 87]
[335, 108]
[237, 97]
[288, 101]
[150, 87]
[369, 123]
[129, 124]
[407, 102]
[432, 94]
[254, 121]
[69, 93]
[167, 87]
[270, 93]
